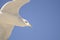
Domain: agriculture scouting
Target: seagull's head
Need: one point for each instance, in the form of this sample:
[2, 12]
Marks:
[26, 22]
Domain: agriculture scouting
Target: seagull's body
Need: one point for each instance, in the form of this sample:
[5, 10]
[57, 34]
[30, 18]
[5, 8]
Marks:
[9, 18]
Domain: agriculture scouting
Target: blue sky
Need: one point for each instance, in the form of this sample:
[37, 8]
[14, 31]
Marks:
[44, 15]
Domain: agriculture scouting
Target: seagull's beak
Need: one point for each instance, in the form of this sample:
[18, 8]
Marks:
[30, 26]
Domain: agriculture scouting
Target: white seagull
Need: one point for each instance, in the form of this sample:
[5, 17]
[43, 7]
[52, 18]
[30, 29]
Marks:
[9, 17]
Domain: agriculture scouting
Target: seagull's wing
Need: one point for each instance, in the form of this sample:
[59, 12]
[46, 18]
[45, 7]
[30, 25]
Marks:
[13, 7]
[5, 31]
[1, 33]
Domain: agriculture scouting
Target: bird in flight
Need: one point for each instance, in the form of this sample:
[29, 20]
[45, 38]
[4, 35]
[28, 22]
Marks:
[9, 17]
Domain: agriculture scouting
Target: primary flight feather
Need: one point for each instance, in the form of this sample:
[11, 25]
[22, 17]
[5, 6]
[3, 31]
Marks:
[9, 16]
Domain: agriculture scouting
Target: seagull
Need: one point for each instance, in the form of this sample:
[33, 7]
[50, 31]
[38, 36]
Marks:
[9, 17]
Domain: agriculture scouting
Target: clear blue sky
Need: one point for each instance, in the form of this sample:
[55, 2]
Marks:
[44, 15]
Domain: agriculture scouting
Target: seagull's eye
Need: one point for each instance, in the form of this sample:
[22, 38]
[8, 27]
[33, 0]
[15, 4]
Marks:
[26, 22]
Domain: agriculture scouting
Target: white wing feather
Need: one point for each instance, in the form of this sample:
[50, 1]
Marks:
[13, 7]
[5, 31]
